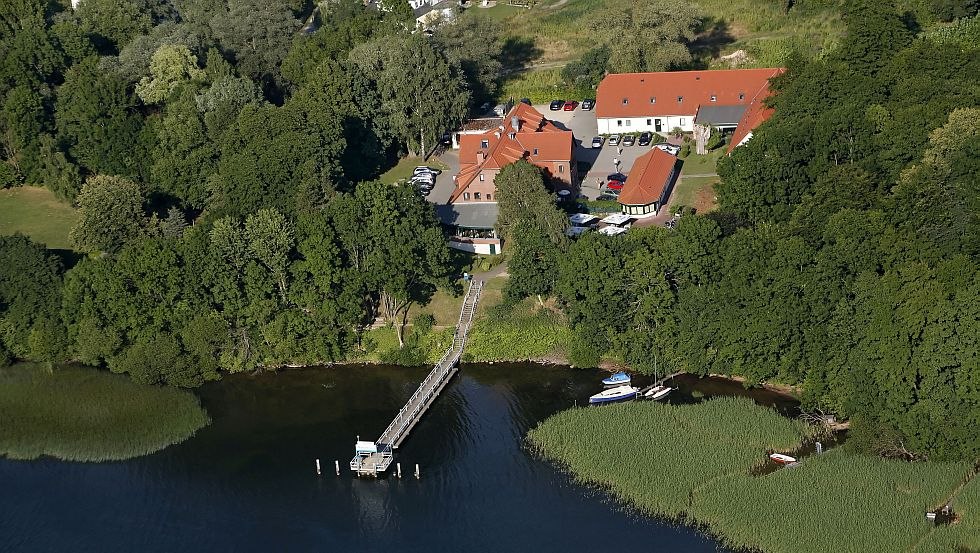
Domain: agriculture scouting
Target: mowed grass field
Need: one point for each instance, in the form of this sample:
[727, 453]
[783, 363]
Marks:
[695, 461]
[37, 213]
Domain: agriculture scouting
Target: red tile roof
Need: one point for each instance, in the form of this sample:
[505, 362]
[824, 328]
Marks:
[650, 94]
[648, 178]
[755, 115]
[536, 138]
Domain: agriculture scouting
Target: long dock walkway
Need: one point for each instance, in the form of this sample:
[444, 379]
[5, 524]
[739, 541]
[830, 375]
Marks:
[372, 458]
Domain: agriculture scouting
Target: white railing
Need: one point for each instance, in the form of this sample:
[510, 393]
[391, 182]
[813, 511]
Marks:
[419, 400]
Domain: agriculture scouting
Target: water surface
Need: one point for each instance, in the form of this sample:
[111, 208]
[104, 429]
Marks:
[247, 482]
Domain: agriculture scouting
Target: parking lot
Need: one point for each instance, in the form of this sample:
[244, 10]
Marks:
[600, 160]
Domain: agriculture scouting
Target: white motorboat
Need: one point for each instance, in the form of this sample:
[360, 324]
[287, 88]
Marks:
[614, 394]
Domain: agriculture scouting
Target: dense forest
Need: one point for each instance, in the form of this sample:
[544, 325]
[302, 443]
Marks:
[844, 257]
[223, 165]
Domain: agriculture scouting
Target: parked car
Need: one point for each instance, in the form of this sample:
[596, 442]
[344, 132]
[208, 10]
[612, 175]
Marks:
[598, 141]
[570, 105]
[526, 101]
[616, 185]
[424, 177]
[614, 140]
[485, 108]
[671, 149]
[588, 104]
[607, 196]
[645, 139]
[446, 139]
[629, 140]
[617, 176]
[557, 105]
[500, 110]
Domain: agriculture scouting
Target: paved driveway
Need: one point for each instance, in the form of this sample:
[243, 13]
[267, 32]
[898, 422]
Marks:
[600, 160]
[444, 182]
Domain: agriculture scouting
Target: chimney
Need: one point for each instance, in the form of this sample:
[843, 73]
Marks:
[497, 134]
[515, 123]
[481, 156]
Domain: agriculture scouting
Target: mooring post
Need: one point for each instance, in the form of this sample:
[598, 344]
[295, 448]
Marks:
[336, 466]
[417, 473]
[399, 467]
[318, 467]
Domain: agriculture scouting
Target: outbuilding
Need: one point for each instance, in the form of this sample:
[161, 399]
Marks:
[649, 184]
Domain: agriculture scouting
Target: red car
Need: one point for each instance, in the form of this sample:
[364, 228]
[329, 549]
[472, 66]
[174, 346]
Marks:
[570, 105]
[615, 185]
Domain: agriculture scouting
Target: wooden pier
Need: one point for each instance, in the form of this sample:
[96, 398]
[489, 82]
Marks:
[373, 458]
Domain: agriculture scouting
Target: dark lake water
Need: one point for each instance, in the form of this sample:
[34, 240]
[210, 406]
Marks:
[247, 482]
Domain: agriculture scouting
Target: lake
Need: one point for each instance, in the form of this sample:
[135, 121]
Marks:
[248, 482]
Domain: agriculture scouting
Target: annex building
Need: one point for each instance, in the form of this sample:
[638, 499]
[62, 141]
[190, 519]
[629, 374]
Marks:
[661, 102]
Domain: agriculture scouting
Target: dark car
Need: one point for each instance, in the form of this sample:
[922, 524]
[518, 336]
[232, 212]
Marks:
[645, 139]
[556, 105]
[628, 140]
[617, 176]
[588, 104]
[526, 101]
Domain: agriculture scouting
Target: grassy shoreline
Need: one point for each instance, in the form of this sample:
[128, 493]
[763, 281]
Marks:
[82, 414]
[693, 462]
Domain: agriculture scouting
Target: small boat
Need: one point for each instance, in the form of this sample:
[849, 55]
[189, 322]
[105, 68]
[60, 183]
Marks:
[614, 394]
[782, 459]
[657, 392]
[618, 379]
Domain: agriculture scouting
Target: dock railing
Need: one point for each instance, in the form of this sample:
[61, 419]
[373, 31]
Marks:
[426, 393]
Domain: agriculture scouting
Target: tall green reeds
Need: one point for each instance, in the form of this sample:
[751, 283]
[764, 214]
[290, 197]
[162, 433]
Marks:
[82, 414]
[694, 462]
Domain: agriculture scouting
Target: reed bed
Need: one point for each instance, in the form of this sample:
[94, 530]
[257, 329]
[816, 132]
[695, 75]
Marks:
[656, 455]
[82, 414]
[693, 462]
[518, 333]
[963, 535]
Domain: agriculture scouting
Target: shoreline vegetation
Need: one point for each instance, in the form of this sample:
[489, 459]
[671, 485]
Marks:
[83, 414]
[694, 464]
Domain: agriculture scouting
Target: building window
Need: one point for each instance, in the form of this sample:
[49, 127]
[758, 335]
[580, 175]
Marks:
[466, 195]
[535, 151]
[680, 99]
[628, 122]
[482, 178]
[653, 99]
[489, 197]
[648, 122]
[484, 143]
[561, 168]
[476, 195]
[714, 98]
[682, 121]
[626, 101]
[741, 95]
[619, 122]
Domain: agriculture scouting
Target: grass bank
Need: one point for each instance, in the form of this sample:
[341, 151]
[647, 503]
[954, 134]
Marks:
[81, 414]
[694, 462]
[37, 213]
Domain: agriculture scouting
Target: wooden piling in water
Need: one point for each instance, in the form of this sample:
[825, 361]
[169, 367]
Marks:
[399, 467]
[336, 466]
[318, 467]
[418, 474]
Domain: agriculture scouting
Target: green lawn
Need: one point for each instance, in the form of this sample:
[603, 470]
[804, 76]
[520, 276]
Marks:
[403, 170]
[702, 165]
[695, 462]
[37, 213]
[696, 192]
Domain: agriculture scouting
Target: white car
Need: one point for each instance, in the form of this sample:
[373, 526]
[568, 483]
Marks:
[614, 140]
[671, 149]
[423, 170]
[597, 142]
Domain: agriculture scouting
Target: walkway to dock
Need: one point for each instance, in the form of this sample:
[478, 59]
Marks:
[369, 463]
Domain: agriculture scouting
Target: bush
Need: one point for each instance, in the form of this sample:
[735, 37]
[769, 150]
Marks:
[8, 175]
[423, 323]
[716, 140]
[685, 150]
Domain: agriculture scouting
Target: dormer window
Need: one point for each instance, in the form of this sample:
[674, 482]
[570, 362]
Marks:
[714, 98]
[653, 99]
[535, 152]
[626, 101]
[484, 143]
[680, 99]
[741, 96]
